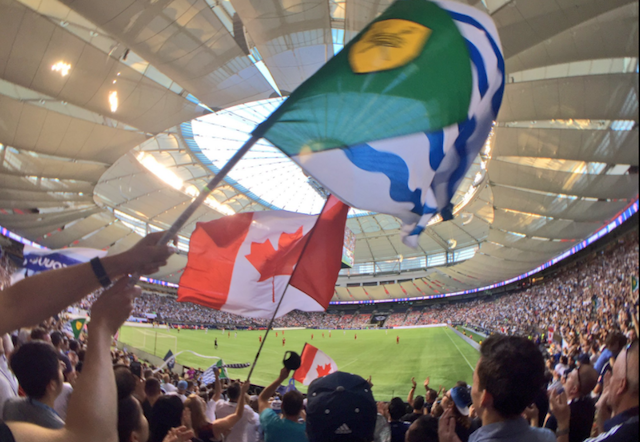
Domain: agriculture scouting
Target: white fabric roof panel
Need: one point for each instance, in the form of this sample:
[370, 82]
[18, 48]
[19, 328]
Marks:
[33, 44]
[607, 146]
[186, 41]
[523, 24]
[613, 34]
[596, 97]
[534, 178]
[554, 206]
[582, 185]
[80, 229]
[27, 126]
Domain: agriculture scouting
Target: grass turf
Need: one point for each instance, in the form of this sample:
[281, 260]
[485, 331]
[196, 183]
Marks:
[435, 352]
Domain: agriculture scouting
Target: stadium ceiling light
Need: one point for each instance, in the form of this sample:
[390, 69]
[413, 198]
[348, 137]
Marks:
[61, 67]
[160, 171]
[113, 101]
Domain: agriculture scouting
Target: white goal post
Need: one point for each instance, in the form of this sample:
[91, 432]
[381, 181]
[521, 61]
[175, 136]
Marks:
[151, 340]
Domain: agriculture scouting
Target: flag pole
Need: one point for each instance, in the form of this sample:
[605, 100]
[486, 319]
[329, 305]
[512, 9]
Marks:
[285, 292]
[204, 193]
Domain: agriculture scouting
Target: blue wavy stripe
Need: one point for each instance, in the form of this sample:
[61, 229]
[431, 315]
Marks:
[497, 98]
[478, 61]
[466, 130]
[393, 166]
[436, 148]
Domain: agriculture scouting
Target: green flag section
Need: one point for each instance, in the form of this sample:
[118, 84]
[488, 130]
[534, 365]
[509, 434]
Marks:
[634, 283]
[408, 71]
[222, 370]
[76, 326]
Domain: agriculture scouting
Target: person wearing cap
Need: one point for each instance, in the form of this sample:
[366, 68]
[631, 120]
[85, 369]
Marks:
[285, 428]
[461, 397]
[578, 386]
[340, 408]
[182, 390]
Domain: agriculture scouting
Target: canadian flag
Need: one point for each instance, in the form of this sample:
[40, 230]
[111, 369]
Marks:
[242, 264]
[314, 364]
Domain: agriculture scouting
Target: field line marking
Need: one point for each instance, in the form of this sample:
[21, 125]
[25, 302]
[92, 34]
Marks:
[454, 343]
[348, 363]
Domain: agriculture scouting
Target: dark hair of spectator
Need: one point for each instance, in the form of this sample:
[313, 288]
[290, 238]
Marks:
[615, 342]
[418, 403]
[152, 387]
[74, 345]
[36, 364]
[233, 391]
[129, 418]
[125, 381]
[38, 333]
[396, 408]
[424, 429]
[437, 410]
[56, 338]
[292, 403]
[165, 415]
[432, 394]
[511, 369]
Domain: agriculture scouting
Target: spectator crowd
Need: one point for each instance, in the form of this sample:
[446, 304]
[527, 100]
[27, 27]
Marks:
[579, 384]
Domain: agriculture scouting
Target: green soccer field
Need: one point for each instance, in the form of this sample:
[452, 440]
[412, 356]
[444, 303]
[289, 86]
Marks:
[435, 352]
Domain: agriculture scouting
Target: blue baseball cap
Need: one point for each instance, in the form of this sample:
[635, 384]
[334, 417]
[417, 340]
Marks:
[462, 398]
[182, 385]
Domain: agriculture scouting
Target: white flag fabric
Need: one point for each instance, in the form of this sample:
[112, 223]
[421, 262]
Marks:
[314, 364]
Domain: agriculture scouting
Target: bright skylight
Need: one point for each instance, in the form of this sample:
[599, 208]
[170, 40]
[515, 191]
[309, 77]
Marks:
[264, 170]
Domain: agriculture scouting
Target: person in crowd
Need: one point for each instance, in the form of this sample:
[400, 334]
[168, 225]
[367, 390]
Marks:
[618, 406]
[398, 427]
[39, 371]
[285, 428]
[181, 390]
[168, 412]
[461, 398]
[39, 334]
[245, 429]
[60, 342]
[341, 407]
[507, 377]
[8, 382]
[167, 386]
[578, 386]
[423, 429]
[418, 410]
[152, 392]
[36, 298]
[222, 426]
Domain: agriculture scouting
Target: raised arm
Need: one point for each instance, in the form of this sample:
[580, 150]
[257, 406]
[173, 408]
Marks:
[412, 391]
[225, 424]
[265, 395]
[217, 392]
[39, 297]
[90, 419]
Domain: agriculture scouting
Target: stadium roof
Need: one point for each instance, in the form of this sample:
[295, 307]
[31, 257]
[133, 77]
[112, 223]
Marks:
[99, 143]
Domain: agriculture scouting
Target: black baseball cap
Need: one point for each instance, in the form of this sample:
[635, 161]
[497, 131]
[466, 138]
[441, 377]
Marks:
[340, 407]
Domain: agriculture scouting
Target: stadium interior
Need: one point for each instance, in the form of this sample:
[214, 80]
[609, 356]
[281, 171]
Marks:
[115, 114]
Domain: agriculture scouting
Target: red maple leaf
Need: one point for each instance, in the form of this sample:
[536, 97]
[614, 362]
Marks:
[323, 371]
[271, 262]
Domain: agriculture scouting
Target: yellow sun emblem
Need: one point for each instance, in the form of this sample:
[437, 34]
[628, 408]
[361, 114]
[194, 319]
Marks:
[388, 44]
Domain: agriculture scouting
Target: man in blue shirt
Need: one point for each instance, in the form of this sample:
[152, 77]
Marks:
[507, 378]
[285, 428]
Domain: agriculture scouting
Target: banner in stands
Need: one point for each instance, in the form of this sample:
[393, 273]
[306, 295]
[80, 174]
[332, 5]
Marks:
[378, 320]
[38, 260]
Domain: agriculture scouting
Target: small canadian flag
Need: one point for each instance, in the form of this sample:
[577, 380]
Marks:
[314, 364]
[242, 264]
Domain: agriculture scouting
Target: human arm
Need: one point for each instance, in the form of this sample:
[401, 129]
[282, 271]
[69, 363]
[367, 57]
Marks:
[221, 426]
[217, 392]
[89, 419]
[413, 390]
[560, 408]
[447, 427]
[265, 395]
[34, 299]
[603, 410]
[179, 434]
